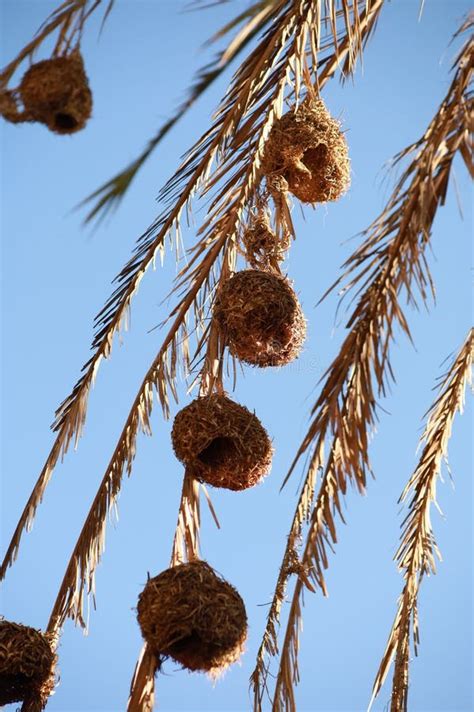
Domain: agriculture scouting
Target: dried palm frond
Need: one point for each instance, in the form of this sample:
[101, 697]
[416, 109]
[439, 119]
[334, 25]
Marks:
[27, 666]
[192, 615]
[418, 550]
[237, 138]
[390, 262]
[256, 18]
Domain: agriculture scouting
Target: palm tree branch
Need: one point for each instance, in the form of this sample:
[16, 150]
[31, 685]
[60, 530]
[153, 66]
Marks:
[394, 252]
[266, 68]
[108, 196]
[417, 551]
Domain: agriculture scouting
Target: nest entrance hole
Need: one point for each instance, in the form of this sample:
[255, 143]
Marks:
[65, 122]
[315, 157]
[189, 645]
[14, 688]
[190, 650]
[219, 452]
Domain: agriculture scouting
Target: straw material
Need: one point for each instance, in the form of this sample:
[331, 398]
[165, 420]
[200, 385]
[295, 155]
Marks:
[261, 318]
[9, 107]
[263, 248]
[27, 664]
[56, 92]
[309, 151]
[222, 443]
[195, 617]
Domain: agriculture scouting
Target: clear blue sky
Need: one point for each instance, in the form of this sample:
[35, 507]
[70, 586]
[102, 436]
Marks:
[55, 277]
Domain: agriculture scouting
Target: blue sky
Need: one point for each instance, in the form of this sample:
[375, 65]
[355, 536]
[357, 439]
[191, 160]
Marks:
[56, 276]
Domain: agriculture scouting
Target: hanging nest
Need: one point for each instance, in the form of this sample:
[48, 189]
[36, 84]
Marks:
[222, 443]
[56, 92]
[27, 663]
[263, 248]
[192, 615]
[307, 149]
[261, 318]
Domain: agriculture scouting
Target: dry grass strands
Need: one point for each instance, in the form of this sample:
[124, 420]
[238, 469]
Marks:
[27, 664]
[263, 248]
[192, 615]
[261, 318]
[222, 443]
[56, 92]
[307, 148]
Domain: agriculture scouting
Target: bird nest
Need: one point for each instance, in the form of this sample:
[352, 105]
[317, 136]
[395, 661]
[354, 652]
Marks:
[261, 318]
[192, 615]
[263, 248]
[222, 443]
[56, 92]
[307, 153]
[27, 663]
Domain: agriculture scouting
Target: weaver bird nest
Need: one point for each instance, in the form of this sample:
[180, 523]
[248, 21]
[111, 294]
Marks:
[56, 92]
[263, 248]
[27, 664]
[307, 153]
[260, 318]
[195, 617]
[222, 443]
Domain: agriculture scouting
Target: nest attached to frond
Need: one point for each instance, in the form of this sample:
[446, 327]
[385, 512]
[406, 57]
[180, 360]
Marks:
[56, 92]
[263, 248]
[308, 151]
[261, 318]
[27, 663]
[9, 107]
[222, 443]
[192, 615]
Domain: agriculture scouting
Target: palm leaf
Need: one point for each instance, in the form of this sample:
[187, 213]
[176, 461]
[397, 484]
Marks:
[236, 141]
[390, 262]
[108, 196]
[418, 550]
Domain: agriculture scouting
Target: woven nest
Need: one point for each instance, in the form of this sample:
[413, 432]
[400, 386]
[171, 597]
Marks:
[307, 152]
[261, 318]
[56, 92]
[263, 248]
[193, 616]
[222, 443]
[27, 664]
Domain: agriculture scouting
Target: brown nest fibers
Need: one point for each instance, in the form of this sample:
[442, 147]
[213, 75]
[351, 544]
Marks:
[56, 92]
[307, 149]
[261, 318]
[27, 664]
[263, 248]
[192, 615]
[222, 443]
